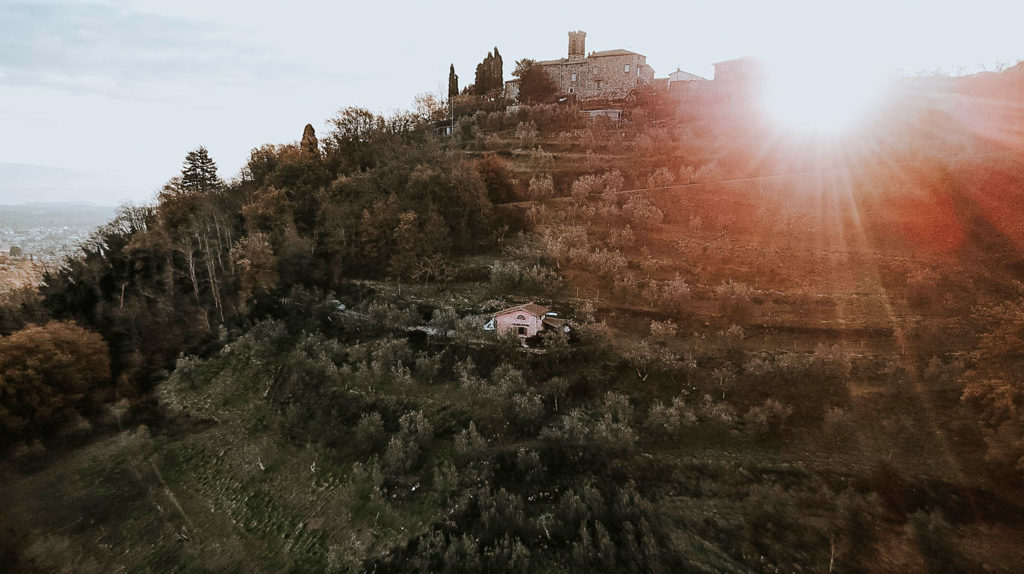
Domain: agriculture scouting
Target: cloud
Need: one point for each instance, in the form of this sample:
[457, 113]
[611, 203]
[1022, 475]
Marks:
[99, 48]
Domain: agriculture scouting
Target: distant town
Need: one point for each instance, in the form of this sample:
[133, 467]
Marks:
[47, 232]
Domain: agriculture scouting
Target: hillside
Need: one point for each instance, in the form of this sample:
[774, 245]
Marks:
[787, 353]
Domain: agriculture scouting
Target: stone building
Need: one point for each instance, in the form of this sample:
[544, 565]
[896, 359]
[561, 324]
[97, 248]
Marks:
[746, 72]
[525, 320]
[611, 74]
[681, 76]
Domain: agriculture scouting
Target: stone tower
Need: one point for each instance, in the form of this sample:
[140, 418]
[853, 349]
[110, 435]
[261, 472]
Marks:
[577, 45]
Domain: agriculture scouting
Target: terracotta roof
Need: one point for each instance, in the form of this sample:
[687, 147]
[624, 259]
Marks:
[600, 54]
[531, 308]
[612, 53]
[554, 322]
[689, 75]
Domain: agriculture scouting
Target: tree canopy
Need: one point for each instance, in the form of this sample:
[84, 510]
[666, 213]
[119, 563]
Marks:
[453, 82]
[48, 374]
[199, 172]
[535, 85]
[489, 76]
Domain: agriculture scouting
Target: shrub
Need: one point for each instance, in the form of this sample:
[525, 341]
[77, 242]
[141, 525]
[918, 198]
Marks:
[660, 178]
[369, 432]
[527, 411]
[708, 173]
[725, 376]
[606, 264]
[675, 294]
[384, 317]
[492, 142]
[427, 366]
[646, 359]
[471, 446]
[582, 436]
[509, 276]
[662, 420]
[528, 464]
[405, 448]
[541, 188]
[687, 175]
[526, 133]
[712, 411]
[934, 539]
[731, 339]
[734, 300]
[613, 182]
[401, 455]
[768, 419]
[586, 187]
[615, 407]
[497, 176]
[642, 213]
[664, 330]
[620, 238]
[838, 426]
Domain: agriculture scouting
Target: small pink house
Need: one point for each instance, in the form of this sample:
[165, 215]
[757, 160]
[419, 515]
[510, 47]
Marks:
[525, 320]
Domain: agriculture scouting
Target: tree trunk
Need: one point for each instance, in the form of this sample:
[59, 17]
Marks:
[191, 260]
[211, 273]
[170, 278]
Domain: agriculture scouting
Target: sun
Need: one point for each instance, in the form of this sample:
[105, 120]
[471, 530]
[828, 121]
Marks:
[822, 99]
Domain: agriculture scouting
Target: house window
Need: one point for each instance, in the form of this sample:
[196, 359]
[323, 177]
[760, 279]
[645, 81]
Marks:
[521, 331]
[520, 317]
[573, 77]
[572, 90]
[626, 69]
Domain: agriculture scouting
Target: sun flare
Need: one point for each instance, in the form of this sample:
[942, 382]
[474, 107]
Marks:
[821, 99]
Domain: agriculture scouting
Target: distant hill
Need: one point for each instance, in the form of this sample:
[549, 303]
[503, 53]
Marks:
[23, 183]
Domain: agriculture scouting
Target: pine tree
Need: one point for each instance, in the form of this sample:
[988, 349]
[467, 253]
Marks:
[453, 82]
[199, 172]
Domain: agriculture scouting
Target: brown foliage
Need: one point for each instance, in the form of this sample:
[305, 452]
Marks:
[48, 374]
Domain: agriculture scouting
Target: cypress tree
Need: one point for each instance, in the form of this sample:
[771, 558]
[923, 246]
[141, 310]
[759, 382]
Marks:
[489, 76]
[453, 82]
[480, 80]
[497, 74]
[309, 143]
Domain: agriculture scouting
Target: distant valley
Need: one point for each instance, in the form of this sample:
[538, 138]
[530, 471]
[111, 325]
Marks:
[47, 231]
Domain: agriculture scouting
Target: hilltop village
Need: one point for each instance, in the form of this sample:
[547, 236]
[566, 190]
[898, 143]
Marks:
[603, 77]
[604, 81]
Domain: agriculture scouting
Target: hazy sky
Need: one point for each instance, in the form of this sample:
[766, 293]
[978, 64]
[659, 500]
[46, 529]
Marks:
[101, 100]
